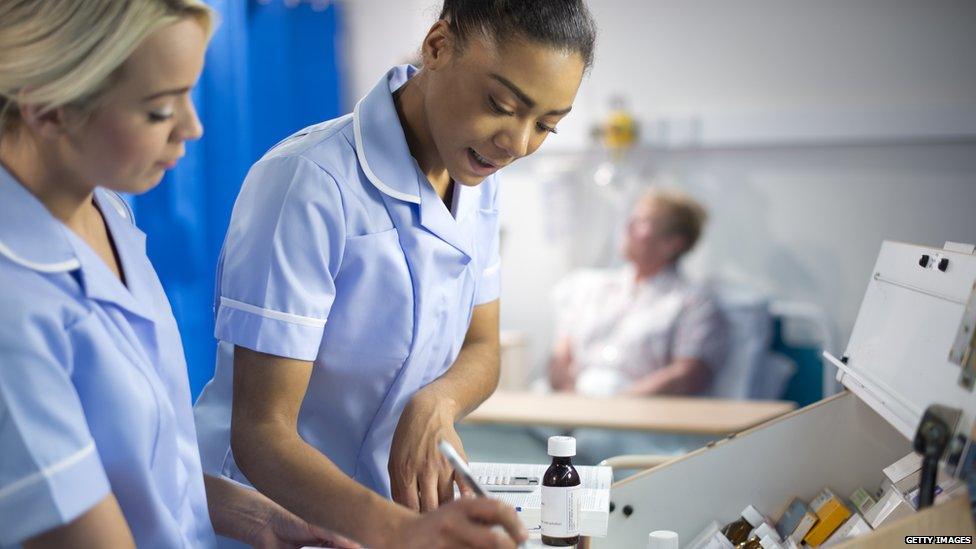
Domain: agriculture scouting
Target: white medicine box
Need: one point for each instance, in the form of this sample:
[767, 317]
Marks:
[896, 364]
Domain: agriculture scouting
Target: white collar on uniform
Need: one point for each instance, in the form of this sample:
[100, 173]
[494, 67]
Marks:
[383, 154]
[33, 238]
[380, 142]
[29, 235]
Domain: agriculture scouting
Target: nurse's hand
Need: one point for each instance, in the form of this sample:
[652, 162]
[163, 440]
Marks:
[250, 516]
[420, 478]
[284, 530]
[481, 523]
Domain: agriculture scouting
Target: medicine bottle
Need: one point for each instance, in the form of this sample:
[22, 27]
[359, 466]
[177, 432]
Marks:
[767, 542]
[761, 532]
[738, 532]
[561, 495]
[662, 539]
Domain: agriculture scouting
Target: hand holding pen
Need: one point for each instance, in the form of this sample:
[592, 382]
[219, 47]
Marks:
[496, 512]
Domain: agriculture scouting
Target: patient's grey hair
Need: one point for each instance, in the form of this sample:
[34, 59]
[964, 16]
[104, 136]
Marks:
[684, 216]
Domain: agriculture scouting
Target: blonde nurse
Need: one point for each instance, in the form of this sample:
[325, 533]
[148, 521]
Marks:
[97, 441]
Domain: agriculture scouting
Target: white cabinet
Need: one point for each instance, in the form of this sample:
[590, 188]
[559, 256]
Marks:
[896, 365]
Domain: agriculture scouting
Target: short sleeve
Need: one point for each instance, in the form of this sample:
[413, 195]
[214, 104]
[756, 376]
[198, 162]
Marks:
[276, 279]
[489, 232]
[50, 471]
[702, 332]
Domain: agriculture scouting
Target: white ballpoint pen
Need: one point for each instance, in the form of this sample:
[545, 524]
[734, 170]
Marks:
[461, 470]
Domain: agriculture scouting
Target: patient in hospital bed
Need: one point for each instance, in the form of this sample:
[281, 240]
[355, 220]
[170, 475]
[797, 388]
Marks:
[642, 329]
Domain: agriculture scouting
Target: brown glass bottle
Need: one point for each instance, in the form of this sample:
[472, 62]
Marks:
[738, 532]
[560, 495]
[762, 532]
[753, 543]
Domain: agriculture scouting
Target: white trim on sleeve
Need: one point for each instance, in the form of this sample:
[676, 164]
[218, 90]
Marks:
[270, 313]
[47, 472]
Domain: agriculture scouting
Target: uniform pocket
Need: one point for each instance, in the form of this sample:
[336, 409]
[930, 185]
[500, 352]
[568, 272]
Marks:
[372, 315]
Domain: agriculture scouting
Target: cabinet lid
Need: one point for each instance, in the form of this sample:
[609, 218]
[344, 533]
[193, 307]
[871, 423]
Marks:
[898, 358]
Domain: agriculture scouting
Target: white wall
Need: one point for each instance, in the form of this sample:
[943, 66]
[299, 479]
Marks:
[730, 58]
[803, 220]
[797, 223]
[380, 34]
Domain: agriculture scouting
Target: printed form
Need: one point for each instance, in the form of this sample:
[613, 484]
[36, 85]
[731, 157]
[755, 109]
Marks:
[595, 494]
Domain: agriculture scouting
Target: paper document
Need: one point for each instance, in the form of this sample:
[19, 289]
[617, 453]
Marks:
[595, 495]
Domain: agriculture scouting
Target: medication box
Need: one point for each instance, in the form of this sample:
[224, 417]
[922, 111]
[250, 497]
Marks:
[855, 526]
[796, 521]
[831, 513]
[896, 364]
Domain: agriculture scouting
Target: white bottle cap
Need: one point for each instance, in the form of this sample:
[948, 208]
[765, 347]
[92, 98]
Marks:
[662, 539]
[765, 529]
[768, 542]
[562, 446]
[754, 517]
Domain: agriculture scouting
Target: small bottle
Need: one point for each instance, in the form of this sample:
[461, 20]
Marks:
[719, 541]
[662, 539]
[710, 538]
[767, 542]
[761, 532]
[561, 495]
[738, 532]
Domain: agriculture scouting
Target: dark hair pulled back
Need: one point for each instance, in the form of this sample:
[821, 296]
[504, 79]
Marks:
[562, 24]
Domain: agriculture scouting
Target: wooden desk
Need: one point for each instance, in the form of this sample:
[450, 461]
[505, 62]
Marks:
[662, 414]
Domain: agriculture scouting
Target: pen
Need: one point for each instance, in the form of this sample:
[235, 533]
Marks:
[460, 468]
[462, 471]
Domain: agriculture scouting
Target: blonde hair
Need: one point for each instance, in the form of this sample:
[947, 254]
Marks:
[56, 53]
[684, 216]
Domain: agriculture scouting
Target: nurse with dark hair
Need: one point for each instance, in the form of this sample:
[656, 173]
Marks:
[358, 289]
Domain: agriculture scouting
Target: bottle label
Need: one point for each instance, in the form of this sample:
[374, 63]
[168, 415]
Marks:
[561, 511]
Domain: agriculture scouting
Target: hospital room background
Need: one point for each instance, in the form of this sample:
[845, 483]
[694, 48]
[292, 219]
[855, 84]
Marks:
[811, 131]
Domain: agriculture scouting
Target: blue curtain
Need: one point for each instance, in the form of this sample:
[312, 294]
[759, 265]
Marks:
[270, 71]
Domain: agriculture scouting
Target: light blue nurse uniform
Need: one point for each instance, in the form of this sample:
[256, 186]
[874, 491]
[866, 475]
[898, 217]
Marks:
[340, 252]
[94, 396]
